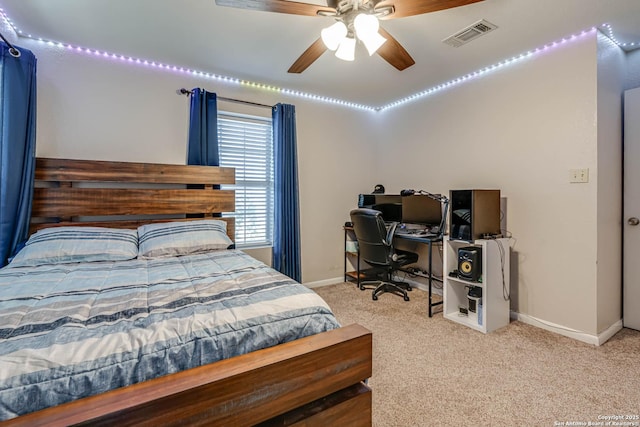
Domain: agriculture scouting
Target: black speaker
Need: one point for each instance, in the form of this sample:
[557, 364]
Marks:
[470, 263]
[474, 213]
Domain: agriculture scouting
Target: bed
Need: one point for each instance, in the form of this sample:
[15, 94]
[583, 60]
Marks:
[209, 337]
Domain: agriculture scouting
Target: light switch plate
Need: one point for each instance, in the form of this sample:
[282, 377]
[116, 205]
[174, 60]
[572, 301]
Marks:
[578, 175]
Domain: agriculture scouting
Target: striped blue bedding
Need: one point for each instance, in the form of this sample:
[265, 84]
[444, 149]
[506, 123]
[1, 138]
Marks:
[69, 331]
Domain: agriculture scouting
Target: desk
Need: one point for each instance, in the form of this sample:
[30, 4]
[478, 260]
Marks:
[359, 274]
[428, 241]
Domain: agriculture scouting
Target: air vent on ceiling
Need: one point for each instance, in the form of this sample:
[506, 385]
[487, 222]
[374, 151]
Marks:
[472, 32]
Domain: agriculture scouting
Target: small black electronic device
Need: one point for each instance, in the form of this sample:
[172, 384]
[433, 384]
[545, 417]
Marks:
[474, 298]
[378, 189]
[470, 263]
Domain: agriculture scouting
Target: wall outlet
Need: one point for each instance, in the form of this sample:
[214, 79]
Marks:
[578, 175]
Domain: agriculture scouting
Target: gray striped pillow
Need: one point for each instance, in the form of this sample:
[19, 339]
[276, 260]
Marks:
[182, 238]
[60, 245]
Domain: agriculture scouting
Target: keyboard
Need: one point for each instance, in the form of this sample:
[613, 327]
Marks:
[417, 233]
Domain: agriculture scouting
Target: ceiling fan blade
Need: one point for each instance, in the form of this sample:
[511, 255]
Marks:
[308, 57]
[405, 8]
[279, 6]
[394, 53]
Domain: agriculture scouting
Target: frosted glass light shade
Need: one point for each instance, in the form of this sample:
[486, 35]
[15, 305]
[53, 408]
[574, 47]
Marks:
[332, 36]
[366, 27]
[373, 42]
[347, 49]
[365, 24]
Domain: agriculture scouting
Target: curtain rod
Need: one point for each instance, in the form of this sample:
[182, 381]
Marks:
[12, 50]
[183, 91]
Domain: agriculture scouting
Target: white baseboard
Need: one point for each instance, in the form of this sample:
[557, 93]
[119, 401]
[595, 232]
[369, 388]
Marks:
[609, 332]
[325, 282]
[597, 340]
[568, 332]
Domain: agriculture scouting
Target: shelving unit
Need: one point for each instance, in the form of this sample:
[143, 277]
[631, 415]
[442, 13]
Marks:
[352, 270]
[494, 282]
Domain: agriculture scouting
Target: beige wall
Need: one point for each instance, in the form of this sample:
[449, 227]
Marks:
[101, 109]
[611, 79]
[633, 70]
[519, 129]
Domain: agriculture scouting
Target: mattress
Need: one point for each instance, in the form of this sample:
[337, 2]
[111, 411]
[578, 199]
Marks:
[69, 331]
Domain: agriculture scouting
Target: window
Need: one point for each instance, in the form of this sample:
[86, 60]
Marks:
[246, 144]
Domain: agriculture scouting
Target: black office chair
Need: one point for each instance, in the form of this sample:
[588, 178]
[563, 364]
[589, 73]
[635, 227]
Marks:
[375, 243]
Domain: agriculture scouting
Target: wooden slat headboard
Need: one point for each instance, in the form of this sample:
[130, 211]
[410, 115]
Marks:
[74, 192]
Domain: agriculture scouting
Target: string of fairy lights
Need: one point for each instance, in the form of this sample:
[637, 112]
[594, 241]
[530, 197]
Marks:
[608, 30]
[604, 28]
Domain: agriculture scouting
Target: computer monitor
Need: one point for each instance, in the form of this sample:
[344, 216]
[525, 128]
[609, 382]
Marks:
[369, 200]
[421, 209]
[391, 212]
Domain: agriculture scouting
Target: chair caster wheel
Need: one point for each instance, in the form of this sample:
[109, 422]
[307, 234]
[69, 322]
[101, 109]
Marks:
[409, 288]
[374, 297]
[406, 298]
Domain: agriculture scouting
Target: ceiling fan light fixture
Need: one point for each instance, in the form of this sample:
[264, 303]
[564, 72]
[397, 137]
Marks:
[347, 49]
[365, 24]
[373, 42]
[333, 35]
[367, 27]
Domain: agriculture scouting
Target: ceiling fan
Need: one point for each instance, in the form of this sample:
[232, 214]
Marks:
[354, 18]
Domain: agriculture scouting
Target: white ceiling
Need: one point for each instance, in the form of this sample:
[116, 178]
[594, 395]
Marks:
[260, 46]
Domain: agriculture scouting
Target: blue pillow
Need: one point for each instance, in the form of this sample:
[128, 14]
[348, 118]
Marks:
[182, 238]
[61, 245]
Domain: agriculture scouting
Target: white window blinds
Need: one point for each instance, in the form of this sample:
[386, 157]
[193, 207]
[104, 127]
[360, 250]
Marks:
[246, 144]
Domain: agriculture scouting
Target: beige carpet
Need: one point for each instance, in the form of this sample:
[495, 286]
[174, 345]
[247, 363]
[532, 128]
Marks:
[434, 372]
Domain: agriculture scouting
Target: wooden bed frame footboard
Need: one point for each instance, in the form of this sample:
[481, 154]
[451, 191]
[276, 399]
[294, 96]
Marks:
[313, 381]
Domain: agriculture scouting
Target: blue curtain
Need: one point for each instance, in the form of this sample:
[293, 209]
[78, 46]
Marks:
[286, 230]
[17, 147]
[203, 129]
